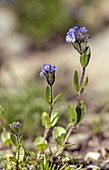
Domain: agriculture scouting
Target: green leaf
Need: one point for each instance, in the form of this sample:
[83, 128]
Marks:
[85, 83]
[81, 110]
[56, 98]
[75, 45]
[13, 139]
[40, 145]
[75, 81]
[3, 136]
[85, 57]
[59, 134]
[72, 115]
[20, 154]
[87, 51]
[54, 117]
[8, 142]
[45, 120]
[1, 112]
[12, 159]
[47, 94]
[82, 60]
[84, 45]
[20, 140]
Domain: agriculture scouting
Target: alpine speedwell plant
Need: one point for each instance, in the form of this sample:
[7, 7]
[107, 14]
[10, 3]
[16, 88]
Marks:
[79, 38]
[40, 159]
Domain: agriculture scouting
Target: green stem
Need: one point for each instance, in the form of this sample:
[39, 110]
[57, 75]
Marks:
[82, 77]
[79, 97]
[17, 163]
[50, 111]
[71, 129]
[45, 135]
[80, 49]
[51, 100]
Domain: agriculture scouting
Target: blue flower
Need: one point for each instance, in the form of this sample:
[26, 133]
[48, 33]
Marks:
[77, 34]
[47, 68]
[48, 71]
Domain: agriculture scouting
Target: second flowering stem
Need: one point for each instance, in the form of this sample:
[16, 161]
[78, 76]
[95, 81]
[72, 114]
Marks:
[51, 100]
[50, 111]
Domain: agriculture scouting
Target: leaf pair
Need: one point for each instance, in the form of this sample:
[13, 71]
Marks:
[47, 121]
[14, 140]
[75, 115]
[72, 115]
[40, 145]
[59, 134]
[48, 96]
[76, 82]
[19, 155]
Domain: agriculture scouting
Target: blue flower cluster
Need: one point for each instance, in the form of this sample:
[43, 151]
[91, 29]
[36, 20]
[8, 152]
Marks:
[77, 34]
[15, 125]
[47, 68]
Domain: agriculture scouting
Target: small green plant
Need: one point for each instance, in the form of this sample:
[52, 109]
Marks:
[51, 160]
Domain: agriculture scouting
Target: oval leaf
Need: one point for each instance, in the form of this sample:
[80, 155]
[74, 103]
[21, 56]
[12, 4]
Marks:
[12, 159]
[75, 81]
[81, 110]
[87, 51]
[85, 83]
[56, 98]
[40, 145]
[72, 115]
[82, 60]
[13, 139]
[54, 117]
[59, 134]
[45, 120]
[85, 57]
[8, 142]
[75, 45]
[47, 94]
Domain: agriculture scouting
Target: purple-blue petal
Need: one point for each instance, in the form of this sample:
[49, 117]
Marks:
[46, 67]
[71, 33]
[70, 38]
[83, 29]
[74, 29]
[53, 68]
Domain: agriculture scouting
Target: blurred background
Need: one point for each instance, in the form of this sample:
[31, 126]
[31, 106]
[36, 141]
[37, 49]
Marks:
[32, 32]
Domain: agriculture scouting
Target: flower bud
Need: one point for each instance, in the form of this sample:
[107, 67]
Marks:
[48, 71]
